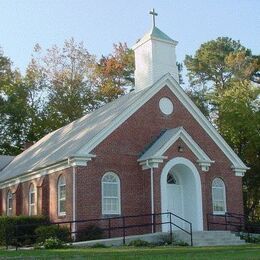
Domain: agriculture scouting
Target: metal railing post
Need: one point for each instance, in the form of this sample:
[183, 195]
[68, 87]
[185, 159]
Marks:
[154, 223]
[16, 240]
[191, 235]
[226, 221]
[123, 230]
[171, 227]
[109, 228]
[208, 221]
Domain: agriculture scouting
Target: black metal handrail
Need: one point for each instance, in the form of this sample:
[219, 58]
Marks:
[239, 221]
[123, 226]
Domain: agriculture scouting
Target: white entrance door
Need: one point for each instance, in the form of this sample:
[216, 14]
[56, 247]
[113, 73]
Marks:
[175, 203]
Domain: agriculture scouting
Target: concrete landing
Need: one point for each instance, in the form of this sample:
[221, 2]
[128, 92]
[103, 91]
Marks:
[200, 238]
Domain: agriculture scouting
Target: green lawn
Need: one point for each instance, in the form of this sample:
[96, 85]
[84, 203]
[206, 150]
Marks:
[235, 252]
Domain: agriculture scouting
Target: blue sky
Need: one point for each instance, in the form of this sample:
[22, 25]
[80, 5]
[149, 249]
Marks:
[100, 23]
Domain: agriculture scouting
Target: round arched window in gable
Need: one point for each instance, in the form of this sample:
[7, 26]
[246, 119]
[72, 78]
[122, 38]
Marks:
[166, 106]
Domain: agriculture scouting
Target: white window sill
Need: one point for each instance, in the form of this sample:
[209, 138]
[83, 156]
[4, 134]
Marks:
[219, 213]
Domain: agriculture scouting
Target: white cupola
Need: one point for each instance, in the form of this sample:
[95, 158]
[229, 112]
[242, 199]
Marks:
[154, 57]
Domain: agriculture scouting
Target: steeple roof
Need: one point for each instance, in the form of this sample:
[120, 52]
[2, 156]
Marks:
[157, 34]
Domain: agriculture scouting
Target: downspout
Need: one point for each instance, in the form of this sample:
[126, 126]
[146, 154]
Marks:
[74, 202]
[152, 194]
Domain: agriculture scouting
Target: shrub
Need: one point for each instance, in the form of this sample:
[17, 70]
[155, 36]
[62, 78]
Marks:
[91, 232]
[52, 231]
[250, 238]
[53, 243]
[99, 245]
[139, 243]
[20, 230]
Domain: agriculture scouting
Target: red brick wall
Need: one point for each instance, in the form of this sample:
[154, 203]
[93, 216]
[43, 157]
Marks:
[120, 151]
[46, 196]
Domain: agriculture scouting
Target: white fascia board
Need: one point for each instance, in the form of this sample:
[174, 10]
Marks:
[58, 166]
[194, 147]
[173, 85]
[203, 121]
[36, 174]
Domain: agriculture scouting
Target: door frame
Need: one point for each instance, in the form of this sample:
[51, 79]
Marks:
[164, 198]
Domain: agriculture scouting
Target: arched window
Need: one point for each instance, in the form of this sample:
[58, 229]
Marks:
[111, 194]
[171, 179]
[9, 203]
[32, 200]
[218, 196]
[61, 200]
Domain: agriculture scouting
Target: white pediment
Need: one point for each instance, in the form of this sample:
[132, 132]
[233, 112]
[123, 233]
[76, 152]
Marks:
[155, 154]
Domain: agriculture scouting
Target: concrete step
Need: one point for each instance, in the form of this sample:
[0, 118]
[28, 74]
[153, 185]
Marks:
[211, 238]
[218, 243]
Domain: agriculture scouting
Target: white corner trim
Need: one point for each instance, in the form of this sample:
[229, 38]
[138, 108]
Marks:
[152, 162]
[239, 172]
[80, 160]
[58, 166]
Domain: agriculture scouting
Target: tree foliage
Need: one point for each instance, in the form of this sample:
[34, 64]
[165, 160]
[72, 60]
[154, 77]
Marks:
[223, 78]
[61, 84]
[114, 74]
[218, 61]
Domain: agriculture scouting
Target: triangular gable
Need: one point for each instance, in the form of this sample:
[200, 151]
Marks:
[84, 131]
[237, 165]
[155, 154]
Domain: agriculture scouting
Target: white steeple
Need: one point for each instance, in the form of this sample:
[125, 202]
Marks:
[154, 57]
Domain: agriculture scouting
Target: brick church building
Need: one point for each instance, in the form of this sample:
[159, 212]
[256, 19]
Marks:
[149, 151]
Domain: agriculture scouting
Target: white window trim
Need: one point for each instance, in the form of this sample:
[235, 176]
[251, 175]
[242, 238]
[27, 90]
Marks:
[224, 198]
[32, 190]
[9, 210]
[61, 213]
[119, 195]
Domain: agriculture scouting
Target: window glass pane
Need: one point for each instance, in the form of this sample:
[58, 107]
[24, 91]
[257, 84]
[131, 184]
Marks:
[111, 205]
[218, 183]
[62, 206]
[32, 209]
[218, 194]
[32, 200]
[62, 192]
[62, 195]
[219, 206]
[110, 190]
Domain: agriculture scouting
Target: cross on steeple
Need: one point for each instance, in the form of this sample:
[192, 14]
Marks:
[153, 13]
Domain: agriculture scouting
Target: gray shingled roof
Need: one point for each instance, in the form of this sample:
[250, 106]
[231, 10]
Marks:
[66, 141]
[5, 160]
[159, 143]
